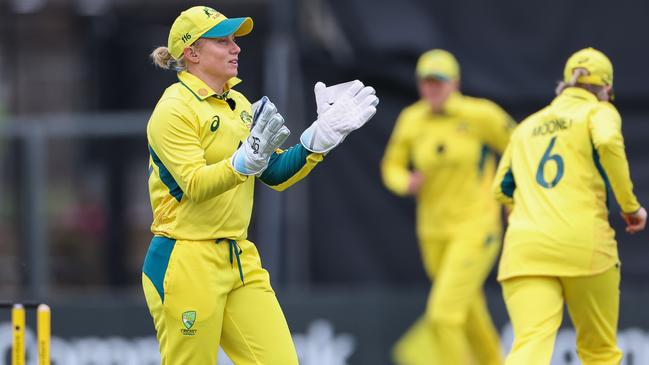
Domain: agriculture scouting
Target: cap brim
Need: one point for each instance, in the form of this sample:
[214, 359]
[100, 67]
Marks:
[237, 26]
[436, 76]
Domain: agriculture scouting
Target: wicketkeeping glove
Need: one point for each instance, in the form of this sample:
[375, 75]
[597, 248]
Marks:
[267, 133]
[342, 109]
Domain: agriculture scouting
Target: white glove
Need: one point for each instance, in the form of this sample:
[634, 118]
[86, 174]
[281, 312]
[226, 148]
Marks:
[267, 133]
[342, 109]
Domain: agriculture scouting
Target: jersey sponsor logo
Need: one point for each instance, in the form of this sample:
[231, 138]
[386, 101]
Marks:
[246, 118]
[188, 318]
[551, 127]
[216, 122]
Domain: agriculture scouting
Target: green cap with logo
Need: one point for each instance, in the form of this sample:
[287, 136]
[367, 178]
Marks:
[203, 22]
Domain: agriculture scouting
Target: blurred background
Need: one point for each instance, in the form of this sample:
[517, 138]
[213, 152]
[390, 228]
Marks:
[76, 90]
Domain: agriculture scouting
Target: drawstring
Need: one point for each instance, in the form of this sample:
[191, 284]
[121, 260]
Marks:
[234, 247]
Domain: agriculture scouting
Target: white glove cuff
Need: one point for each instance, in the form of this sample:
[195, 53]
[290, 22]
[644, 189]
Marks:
[239, 165]
[316, 140]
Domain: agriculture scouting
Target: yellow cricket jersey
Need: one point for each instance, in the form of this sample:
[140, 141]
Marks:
[452, 150]
[195, 193]
[556, 172]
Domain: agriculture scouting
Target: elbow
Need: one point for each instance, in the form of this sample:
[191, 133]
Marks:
[191, 194]
[609, 143]
[194, 191]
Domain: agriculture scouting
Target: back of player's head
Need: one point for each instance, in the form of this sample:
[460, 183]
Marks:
[596, 68]
[438, 64]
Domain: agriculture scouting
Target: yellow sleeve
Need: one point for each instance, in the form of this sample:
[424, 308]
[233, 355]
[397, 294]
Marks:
[287, 167]
[606, 135]
[394, 166]
[504, 184]
[175, 147]
[495, 125]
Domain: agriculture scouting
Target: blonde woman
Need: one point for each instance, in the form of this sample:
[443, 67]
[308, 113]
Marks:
[202, 278]
[559, 246]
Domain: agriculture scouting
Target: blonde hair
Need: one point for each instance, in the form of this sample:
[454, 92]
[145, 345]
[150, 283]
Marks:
[600, 91]
[162, 58]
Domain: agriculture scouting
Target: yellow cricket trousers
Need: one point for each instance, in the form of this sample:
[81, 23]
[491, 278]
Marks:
[203, 294]
[535, 306]
[456, 328]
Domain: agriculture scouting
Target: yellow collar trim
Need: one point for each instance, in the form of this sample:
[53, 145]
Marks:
[200, 89]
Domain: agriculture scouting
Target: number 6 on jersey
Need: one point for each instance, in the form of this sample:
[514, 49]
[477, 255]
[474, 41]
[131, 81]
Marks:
[547, 156]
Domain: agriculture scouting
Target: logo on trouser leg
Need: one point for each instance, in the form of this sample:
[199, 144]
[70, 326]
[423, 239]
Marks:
[188, 318]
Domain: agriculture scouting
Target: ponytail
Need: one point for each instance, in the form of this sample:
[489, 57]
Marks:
[576, 74]
[601, 92]
[163, 59]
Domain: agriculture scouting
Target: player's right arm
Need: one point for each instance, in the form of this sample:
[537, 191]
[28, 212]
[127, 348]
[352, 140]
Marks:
[394, 166]
[504, 184]
[606, 134]
[175, 148]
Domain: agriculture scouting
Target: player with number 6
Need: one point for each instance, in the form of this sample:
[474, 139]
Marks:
[557, 173]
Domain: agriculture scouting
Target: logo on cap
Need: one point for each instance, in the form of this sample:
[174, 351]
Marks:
[210, 13]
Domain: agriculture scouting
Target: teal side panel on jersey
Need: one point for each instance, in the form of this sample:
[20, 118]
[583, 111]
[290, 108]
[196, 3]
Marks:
[282, 166]
[156, 262]
[484, 153]
[607, 183]
[508, 185]
[165, 176]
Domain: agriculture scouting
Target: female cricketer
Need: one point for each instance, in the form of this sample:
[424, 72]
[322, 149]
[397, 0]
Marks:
[442, 152]
[559, 246]
[202, 278]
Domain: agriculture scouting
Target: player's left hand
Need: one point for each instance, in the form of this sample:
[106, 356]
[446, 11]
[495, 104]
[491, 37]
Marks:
[635, 222]
[267, 133]
[342, 109]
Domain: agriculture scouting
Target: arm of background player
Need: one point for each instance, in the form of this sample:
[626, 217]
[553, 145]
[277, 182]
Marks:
[495, 125]
[395, 163]
[176, 150]
[285, 168]
[606, 133]
[504, 184]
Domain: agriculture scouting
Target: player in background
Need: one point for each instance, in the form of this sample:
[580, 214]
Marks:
[559, 247]
[202, 278]
[442, 152]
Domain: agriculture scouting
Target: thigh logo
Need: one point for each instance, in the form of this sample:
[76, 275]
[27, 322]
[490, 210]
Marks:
[188, 318]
